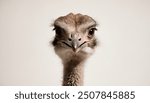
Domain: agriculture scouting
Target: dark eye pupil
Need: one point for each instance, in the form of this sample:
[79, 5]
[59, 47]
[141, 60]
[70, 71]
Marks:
[91, 32]
[58, 31]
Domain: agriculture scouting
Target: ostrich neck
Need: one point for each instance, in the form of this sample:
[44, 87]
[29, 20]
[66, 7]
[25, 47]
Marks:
[73, 73]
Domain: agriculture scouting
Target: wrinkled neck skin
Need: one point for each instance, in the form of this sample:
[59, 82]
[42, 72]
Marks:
[73, 73]
[73, 64]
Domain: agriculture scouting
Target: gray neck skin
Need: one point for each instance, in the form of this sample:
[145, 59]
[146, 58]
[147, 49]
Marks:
[73, 73]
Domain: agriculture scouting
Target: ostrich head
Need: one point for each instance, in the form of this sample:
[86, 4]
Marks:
[75, 37]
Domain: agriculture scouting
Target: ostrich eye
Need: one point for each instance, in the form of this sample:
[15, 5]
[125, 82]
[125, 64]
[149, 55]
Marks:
[58, 30]
[91, 32]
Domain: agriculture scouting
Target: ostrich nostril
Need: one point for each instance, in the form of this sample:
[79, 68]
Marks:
[79, 39]
[69, 39]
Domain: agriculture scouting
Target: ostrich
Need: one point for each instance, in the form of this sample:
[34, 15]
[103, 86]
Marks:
[74, 42]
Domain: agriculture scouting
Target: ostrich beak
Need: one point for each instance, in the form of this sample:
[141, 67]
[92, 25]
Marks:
[75, 46]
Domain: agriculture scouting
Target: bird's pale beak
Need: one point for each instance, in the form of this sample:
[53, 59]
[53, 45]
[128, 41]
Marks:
[75, 45]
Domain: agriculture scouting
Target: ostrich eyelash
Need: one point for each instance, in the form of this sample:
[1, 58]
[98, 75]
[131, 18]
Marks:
[93, 29]
[54, 29]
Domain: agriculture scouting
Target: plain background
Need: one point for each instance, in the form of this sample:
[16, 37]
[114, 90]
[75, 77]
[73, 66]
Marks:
[122, 57]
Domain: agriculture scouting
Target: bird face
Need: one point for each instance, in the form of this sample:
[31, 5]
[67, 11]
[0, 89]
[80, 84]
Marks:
[75, 34]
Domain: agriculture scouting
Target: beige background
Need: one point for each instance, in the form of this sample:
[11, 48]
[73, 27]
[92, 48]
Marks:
[122, 58]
